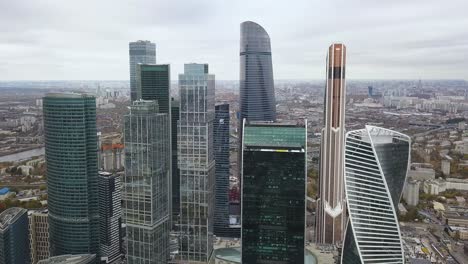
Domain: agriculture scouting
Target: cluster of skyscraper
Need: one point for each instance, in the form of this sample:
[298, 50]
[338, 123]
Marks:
[177, 173]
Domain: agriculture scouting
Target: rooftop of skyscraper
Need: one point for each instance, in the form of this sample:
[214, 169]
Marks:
[69, 95]
[69, 259]
[9, 216]
[274, 134]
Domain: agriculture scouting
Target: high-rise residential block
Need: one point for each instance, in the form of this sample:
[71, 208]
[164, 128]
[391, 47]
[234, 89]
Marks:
[273, 193]
[331, 204]
[376, 165]
[146, 189]
[72, 173]
[14, 237]
[39, 236]
[411, 192]
[110, 212]
[221, 153]
[196, 164]
[141, 51]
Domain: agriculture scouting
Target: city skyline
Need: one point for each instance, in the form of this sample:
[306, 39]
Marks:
[43, 43]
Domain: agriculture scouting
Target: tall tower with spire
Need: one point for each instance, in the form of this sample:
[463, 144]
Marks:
[331, 207]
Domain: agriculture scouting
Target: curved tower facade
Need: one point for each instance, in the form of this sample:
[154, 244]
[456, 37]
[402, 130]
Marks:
[331, 205]
[376, 165]
[72, 173]
[257, 92]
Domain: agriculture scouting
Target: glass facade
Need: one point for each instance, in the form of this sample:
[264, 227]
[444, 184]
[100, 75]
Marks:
[273, 193]
[14, 237]
[376, 163]
[221, 153]
[146, 188]
[72, 173]
[196, 163]
[142, 51]
[110, 210]
[257, 92]
[154, 83]
[175, 170]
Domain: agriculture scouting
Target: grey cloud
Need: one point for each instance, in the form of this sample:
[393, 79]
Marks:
[54, 39]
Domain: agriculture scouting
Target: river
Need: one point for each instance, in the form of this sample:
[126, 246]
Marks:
[23, 155]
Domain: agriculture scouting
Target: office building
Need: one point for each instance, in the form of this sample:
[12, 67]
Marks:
[154, 83]
[141, 51]
[70, 259]
[331, 207]
[146, 189]
[196, 164]
[221, 153]
[376, 165]
[256, 85]
[175, 170]
[39, 236]
[257, 92]
[14, 240]
[273, 193]
[110, 211]
[72, 173]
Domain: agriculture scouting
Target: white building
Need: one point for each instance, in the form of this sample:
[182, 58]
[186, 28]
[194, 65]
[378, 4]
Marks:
[445, 167]
[421, 171]
[411, 192]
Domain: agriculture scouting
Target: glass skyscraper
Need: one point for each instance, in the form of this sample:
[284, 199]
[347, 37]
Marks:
[141, 51]
[196, 164]
[110, 212]
[376, 165]
[14, 237]
[175, 170]
[273, 193]
[257, 91]
[146, 189]
[256, 86]
[154, 83]
[72, 173]
[221, 153]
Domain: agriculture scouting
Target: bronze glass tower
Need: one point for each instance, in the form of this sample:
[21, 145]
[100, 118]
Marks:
[331, 202]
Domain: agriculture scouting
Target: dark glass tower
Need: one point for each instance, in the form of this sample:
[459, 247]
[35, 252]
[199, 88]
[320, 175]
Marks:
[14, 236]
[221, 152]
[154, 84]
[110, 210]
[175, 171]
[72, 173]
[273, 193]
[141, 51]
[256, 86]
[257, 92]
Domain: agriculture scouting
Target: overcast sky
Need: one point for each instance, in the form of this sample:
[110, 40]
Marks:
[88, 39]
